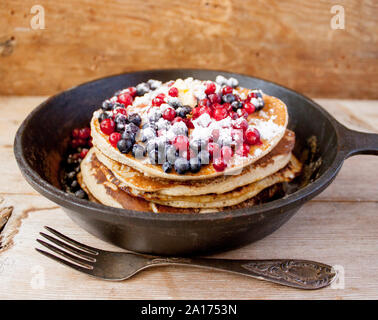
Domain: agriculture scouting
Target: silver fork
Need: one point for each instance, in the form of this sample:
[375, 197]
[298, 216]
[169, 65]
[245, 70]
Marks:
[116, 266]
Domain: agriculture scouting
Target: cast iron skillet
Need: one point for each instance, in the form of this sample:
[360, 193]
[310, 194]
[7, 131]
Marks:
[41, 139]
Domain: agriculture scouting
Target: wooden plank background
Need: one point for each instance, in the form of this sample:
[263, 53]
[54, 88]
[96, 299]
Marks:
[290, 42]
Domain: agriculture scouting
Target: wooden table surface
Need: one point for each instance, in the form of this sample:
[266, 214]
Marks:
[339, 227]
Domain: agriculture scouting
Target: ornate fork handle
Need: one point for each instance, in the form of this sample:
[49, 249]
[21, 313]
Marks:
[301, 274]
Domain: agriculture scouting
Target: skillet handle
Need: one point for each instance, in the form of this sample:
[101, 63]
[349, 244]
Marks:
[356, 142]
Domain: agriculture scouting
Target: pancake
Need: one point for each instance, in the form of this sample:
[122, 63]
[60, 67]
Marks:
[271, 163]
[108, 193]
[230, 198]
[271, 122]
[96, 177]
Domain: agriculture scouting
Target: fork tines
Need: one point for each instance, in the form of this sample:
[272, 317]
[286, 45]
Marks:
[76, 255]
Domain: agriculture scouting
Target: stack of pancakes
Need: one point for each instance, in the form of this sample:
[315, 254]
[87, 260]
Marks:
[120, 180]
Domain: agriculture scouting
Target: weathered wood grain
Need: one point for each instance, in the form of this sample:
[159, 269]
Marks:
[290, 42]
[339, 227]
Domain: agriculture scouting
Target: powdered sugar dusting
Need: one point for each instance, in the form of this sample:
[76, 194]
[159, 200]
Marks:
[267, 128]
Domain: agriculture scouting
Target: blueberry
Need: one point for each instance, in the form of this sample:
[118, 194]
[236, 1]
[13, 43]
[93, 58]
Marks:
[74, 184]
[182, 112]
[118, 105]
[120, 118]
[236, 105]
[138, 151]
[167, 167]
[171, 154]
[198, 145]
[125, 145]
[260, 100]
[131, 127]
[154, 84]
[149, 125]
[175, 103]
[152, 146]
[204, 157]
[181, 165]
[135, 119]
[154, 115]
[228, 98]
[107, 105]
[128, 135]
[195, 165]
[120, 127]
[71, 175]
[80, 194]
[142, 88]
[156, 156]
[232, 82]
[103, 116]
[148, 134]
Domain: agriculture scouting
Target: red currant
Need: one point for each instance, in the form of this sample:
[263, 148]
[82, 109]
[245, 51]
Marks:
[210, 88]
[83, 153]
[81, 142]
[158, 100]
[177, 119]
[75, 143]
[242, 113]
[252, 136]
[132, 91]
[75, 133]
[215, 134]
[181, 143]
[169, 114]
[84, 133]
[203, 110]
[107, 126]
[220, 114]
[114, 138]
[241, 124]
[120, 111]
[226, 153]
[237, 135]
[227, 90]
[173, 92]
[189, 123]
[219, 164]
[250, 96]
[234, 115]
[249, 107]
[227, 106]
[214, 98]
[125, 98]
[204, 103]
[214, 150]
[243, 150]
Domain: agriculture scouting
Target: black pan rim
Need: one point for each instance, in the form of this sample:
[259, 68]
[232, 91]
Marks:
[71, 202]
